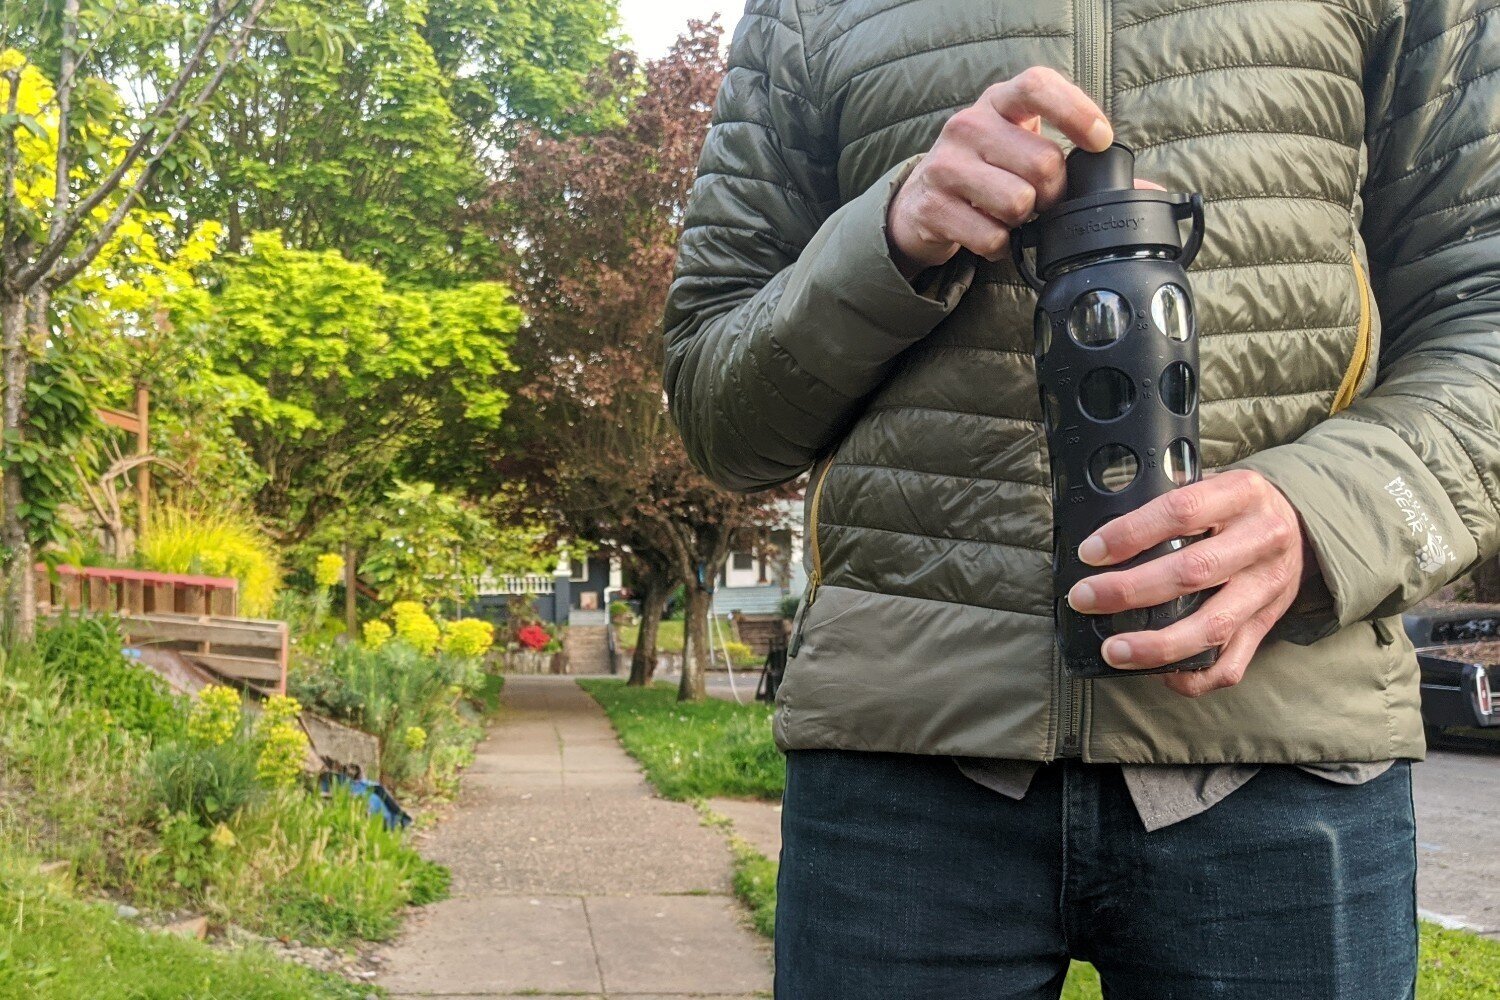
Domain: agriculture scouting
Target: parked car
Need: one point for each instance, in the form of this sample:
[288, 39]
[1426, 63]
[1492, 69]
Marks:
[1458, 649]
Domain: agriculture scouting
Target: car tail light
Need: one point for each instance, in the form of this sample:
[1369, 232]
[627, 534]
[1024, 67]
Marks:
[1486, 699]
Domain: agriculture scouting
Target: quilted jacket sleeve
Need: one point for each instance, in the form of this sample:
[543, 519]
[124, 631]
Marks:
[786, 309]
[1399, 492]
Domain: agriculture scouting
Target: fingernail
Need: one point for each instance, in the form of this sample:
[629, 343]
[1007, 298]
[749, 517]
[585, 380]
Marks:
[1093, 550]
[1100, 135]
[1117, 653]
[1082, 598]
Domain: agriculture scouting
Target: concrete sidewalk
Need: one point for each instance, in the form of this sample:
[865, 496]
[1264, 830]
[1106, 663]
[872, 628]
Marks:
[570, 878]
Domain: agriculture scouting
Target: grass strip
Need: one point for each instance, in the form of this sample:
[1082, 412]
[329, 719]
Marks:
[693, 750]
[54, 946]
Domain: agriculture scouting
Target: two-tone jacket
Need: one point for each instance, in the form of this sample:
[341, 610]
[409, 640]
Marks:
[1348, 298]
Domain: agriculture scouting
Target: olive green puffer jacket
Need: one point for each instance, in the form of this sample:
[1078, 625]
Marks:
[1348, 298]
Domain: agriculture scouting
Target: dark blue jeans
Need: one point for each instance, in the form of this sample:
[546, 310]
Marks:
[903, 880]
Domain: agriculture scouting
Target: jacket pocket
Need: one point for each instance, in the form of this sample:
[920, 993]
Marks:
[1359, 359]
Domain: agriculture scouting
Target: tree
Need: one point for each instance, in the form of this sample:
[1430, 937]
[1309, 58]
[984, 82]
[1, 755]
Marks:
[517, 62]
[340, 135]
[366, 128]
[75, 160]
[593, 220]
[333, 376]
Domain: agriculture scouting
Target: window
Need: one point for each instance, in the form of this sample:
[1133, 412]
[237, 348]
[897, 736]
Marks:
[743, 562]
[578, 570]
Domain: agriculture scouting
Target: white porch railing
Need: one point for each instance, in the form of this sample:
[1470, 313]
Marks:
[531, 583]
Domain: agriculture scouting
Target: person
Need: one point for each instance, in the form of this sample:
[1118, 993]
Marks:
[962, 817]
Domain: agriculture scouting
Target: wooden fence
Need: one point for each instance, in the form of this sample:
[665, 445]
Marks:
[194, 615]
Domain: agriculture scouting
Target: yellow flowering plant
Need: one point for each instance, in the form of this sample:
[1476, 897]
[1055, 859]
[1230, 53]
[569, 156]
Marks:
[215, 716]
[415, 627]
[468, 637]
[376, 633]
[283, 748]
[329, 569]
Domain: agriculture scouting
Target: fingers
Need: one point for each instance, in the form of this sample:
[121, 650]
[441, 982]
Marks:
[1240, 605]
[1010, 148]
[1191, 510]
[1044, 93]
[1205, 563]
[1227, 671]
[998, 192]
[971, 229]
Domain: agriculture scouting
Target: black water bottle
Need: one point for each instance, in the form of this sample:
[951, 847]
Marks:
[1117, 363]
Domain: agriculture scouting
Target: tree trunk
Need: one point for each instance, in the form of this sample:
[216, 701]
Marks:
[20, 590]
[1487, 581]
[653, 606]
[695, 648]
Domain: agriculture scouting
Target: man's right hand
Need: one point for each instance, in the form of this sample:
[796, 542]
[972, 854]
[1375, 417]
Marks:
[991, 169]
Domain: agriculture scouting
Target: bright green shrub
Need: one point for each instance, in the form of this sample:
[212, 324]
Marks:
[390, 690]
[279, 708]
[470, 637]
[738, 652]
[86, 655]
[415, 627]
[182, 540]
[207, 782]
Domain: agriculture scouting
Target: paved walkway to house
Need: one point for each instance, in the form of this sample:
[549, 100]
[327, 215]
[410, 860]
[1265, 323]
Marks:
[570, 878]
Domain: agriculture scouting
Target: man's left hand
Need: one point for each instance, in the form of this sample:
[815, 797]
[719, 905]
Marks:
[1253, 548]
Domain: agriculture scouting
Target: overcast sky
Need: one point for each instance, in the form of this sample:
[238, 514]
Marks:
[653, 25]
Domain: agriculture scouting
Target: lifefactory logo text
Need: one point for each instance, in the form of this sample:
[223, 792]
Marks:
[1084, 228]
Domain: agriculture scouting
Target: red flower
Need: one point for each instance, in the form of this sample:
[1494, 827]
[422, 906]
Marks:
[533, 636]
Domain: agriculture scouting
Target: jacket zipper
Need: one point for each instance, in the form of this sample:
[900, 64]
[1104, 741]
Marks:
[815, 574]
[1360, 358]
[1089, 50]
[1090, 55]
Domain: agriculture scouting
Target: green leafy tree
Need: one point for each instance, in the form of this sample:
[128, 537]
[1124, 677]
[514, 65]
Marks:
[333, 375]
[76, 159]
[525, 61]
[340, 134]
[366, 128]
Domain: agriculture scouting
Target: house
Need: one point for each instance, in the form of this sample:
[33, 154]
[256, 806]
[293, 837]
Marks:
[579, 590]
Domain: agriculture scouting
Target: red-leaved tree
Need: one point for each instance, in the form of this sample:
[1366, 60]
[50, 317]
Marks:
[593, 222]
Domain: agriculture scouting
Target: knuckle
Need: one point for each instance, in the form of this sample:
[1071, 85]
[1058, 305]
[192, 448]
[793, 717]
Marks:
[1198, 567]
[1049, 162]
[941, 168]
[1034, 79]
[964, 126]
[1022, 202]
[1219, 628]
[1263, 620]
[1278, 577]
[1282, 533]
[1183, 506]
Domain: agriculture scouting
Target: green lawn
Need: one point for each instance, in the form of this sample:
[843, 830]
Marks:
[668, 637]
[718, 748]
[669, 640]
[692, 751]
[54, 946]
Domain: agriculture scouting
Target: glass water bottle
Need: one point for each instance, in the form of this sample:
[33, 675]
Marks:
[1117, 366]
